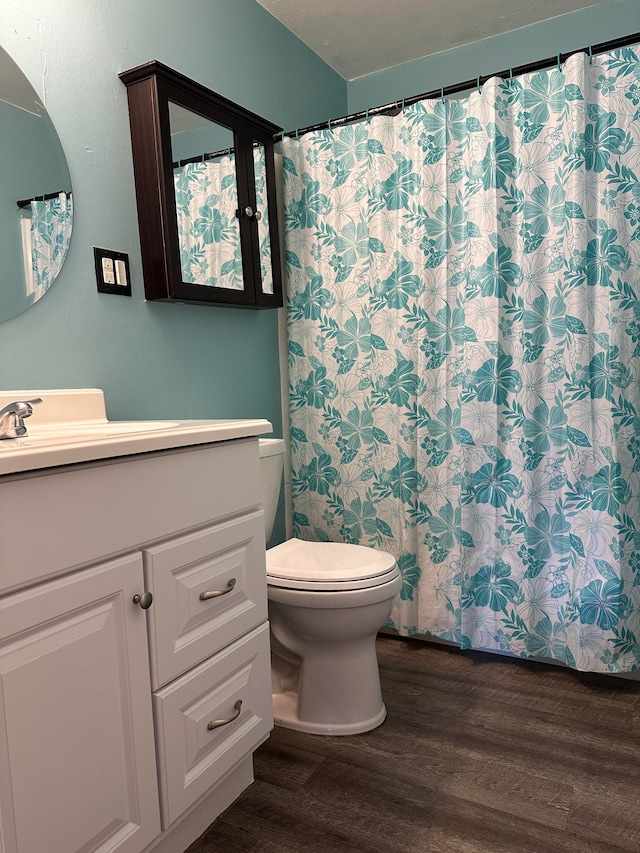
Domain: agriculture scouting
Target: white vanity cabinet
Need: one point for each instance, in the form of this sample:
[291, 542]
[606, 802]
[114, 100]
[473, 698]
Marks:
[124, 729]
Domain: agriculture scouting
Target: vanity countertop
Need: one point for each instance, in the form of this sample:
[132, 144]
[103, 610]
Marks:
[71, 426]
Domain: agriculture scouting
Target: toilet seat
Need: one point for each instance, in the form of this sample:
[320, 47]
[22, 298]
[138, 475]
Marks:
[328, 566]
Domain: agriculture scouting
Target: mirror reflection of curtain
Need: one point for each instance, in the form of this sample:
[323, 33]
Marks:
[208, 230]
[263, 223]
[48, 236]
[206, 204]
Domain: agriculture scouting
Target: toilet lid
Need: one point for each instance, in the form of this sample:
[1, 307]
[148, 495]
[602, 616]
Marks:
[297, 564]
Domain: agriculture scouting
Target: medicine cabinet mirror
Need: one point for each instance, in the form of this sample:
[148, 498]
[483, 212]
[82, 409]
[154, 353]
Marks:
[35, 195]
[205, 186]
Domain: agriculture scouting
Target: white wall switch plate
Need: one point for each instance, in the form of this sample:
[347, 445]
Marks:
[112, 271]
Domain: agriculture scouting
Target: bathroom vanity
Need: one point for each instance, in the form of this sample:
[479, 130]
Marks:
[134, 646]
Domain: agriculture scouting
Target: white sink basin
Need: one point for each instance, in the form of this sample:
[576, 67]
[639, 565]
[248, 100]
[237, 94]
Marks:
[69, 427]
[78, 429]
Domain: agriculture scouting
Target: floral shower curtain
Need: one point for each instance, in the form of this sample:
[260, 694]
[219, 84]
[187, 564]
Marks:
[208, 230]
[50, 235]
[464, 340]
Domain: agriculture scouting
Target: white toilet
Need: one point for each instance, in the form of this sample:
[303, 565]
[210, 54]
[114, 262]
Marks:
[327, 601]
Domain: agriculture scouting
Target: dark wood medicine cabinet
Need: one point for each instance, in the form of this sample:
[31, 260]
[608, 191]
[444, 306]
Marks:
[180, 131]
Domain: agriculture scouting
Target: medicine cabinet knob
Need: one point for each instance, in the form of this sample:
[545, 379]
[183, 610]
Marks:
[145, 600]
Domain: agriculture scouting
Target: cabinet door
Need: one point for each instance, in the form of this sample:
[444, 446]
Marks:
[77, 761]
[209, 588]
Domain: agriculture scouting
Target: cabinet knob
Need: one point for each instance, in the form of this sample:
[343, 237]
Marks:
[258, 215]
[215, 724]
[145, 600]
[205, 596]
[248, 212]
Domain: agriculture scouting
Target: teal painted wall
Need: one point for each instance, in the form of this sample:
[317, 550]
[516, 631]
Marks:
[573, 31]
[152, 360]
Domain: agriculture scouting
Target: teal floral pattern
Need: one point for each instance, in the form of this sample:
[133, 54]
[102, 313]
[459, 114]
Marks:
[464, 357]
[208, 229]
[51, 224]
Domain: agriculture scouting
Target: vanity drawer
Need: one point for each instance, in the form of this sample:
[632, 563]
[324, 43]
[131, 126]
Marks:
[192, 757]
[209, 588]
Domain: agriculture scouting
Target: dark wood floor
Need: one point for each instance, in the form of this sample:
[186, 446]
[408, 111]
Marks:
[478, 754]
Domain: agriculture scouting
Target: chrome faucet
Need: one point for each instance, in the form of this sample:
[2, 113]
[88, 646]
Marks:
[12, 418]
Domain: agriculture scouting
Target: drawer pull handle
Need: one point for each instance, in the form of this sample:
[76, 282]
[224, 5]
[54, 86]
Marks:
[205, 596]
[215, 724]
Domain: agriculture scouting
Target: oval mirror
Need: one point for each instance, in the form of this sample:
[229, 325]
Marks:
[35, 194]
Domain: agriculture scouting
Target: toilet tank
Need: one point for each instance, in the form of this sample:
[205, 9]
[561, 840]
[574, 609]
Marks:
[271, 467]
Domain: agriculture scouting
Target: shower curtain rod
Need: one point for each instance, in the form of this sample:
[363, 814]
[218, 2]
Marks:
[210, 155]
[395, 106]
[202, 158]
[25, 202]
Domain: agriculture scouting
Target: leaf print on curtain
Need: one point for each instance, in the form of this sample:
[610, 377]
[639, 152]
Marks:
[464, 357]
[208, 229]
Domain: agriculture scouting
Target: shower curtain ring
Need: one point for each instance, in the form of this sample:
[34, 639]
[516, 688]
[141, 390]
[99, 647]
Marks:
[590, 55]
[297, 134]
[511, 75]
[329, 125]
[478, 83]
[367, 115]
[442, 97]
[559, 68]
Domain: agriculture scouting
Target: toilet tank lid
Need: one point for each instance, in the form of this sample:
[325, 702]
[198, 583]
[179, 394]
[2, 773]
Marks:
[271, 446]
[296, 559]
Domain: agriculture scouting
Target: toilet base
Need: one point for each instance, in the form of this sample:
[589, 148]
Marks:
[285, 714]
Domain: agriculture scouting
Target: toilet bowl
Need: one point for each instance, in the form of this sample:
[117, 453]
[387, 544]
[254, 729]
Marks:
[327, 601]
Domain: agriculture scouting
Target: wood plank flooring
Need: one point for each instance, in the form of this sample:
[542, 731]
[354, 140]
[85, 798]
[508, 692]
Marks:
[479, 754]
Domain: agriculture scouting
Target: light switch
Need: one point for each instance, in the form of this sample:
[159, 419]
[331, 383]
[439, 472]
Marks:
[108, 276]
[121, 273]
[112, 271]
